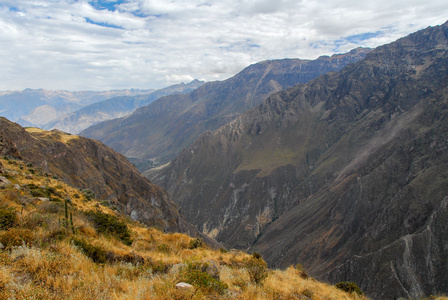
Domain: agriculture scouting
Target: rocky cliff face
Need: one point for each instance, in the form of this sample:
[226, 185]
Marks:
[88, 164]
[161, 130]
[346, 174]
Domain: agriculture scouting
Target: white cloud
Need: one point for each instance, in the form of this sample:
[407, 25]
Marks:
[105, 44]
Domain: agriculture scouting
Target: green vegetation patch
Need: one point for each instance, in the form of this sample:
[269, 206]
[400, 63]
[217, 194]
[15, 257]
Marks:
[109, 224]
[95, 253]
[43, 191]
[257, 269]
[349, 287]
[8, 218]
[203, 276]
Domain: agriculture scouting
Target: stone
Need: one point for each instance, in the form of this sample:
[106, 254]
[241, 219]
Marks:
[183, 286]
[42, 199]
[4, 180]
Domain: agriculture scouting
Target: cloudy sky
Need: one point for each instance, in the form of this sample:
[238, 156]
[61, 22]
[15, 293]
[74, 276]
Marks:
[105, 44]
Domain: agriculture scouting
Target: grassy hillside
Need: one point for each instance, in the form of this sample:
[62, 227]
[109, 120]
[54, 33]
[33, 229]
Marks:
[61, 243]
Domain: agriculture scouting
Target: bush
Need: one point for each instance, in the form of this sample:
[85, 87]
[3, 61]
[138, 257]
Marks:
[349, 287]
[196, 275]
[257, 269]
[197, 243]
[16, 237]
[38, 191]
[159, 266]
[88, 194]
[109, 224]
[8, 219]
[301, 271]
[34, 220]
[95, 253]
[164, 248]
[256, 255]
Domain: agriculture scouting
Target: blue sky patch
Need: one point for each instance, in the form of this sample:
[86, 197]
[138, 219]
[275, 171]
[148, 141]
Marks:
[90, 21]
[357, 38]
[10, 8]
[104, 4]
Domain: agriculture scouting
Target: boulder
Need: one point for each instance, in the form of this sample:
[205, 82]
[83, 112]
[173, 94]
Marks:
[183, 286]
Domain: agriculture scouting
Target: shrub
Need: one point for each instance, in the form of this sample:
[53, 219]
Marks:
[109, 224]
[34, 220]
[349, 287]
[197, 243]
[301, 271]
[88, 194]
[38, 191]
[16, 237]
[8, 219]
[54, 207]
[164, 248]
[95, 253]
[257, 269]
[159, 266]
[256, 255]
[196, 275]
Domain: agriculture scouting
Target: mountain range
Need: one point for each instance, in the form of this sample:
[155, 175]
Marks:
[159, 131]
[113, 108]
[74, 111]
[36, 107]
[346, 174]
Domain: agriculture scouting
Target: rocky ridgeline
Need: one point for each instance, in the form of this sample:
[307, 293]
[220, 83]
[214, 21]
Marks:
[161, 130]
[88, 164]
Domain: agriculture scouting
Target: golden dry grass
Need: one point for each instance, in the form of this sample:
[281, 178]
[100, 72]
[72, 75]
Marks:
[41, 259]
[54, 134]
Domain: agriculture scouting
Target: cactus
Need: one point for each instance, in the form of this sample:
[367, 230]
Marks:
[66, 213]
[71, 223]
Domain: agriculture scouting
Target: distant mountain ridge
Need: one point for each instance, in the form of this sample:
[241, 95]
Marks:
[35, 107]
[162, 129]
[347, 174]
[113, 108]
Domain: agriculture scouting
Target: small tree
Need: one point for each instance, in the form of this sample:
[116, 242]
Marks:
[257, 269]
[349, 287]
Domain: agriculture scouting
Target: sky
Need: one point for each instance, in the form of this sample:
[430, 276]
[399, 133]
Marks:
[103, 44]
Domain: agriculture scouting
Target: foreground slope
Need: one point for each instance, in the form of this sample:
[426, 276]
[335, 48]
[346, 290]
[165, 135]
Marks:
[347, 173]
[55, 243]
[88, 164]
[162, 129]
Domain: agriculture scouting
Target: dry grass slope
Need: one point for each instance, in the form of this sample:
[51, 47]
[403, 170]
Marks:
[54, 250]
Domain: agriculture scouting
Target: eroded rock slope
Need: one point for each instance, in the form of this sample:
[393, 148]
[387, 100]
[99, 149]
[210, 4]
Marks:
[347, 174]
